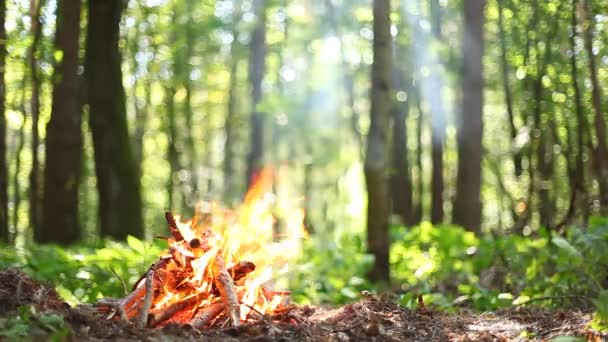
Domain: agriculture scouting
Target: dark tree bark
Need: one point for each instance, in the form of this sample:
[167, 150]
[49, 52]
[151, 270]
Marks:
[579, 188]
[467, 204]
[347, 77]
[171, 145]
[600, 155]
[401, 183]
[35, 191]
[257, 61]
[400, 180]
[376, 156]
[431, 88]
[63, 135]
[419, 151]
[542, 138]
[517, 157]
[4, 232]
[229, 123]
[117, 182]
[190, 190]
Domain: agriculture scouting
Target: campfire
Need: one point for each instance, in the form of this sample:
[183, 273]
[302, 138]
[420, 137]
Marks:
[219, 267]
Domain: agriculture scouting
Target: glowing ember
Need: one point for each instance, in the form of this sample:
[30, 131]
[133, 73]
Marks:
[219, 266]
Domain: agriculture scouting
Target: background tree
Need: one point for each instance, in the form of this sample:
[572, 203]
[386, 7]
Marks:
[376, 158]
[467, 203]
[257, 60]
[4, 232]
[33, 59]
[63, 134]
[117, 183]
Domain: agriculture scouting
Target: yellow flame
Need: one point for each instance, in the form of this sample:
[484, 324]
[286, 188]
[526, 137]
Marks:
[248, 233]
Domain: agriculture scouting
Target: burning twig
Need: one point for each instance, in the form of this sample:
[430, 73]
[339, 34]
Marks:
[240, 270]
[204, 315]
[225, 285]
[161, 315]
[177, 235]
[143, 314]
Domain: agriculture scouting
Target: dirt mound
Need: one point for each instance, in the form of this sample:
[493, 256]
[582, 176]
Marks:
[371, 319]
[17, 289]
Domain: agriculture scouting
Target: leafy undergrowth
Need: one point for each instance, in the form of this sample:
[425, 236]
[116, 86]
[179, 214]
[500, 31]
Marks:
[452, 269]
[34, 311]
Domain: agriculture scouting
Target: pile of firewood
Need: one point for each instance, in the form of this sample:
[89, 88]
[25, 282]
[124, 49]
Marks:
[167, 292]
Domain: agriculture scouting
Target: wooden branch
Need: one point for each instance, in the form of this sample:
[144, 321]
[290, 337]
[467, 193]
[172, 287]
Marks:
[225, 285]
[206, 314]
[163, 314]
[177, 235]
[145, 309]
[241, 269]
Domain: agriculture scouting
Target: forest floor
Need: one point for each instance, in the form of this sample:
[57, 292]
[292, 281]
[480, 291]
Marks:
[370, 319]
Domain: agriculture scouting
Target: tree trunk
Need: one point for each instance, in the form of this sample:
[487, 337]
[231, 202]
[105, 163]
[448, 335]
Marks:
[171, 145]
[34, 193]
[401, 183]
[542, 139]
[517, 157]
[376, 159]
[63, 135]
[229, 123]
[467, 204]
[419, 152]
[117, 182]
[4, 232]
[17, 157]
[190, 190]
[257, 61]
[579, 188]
[347, 77]
[601, 150]
[432, 89]
[400, 180]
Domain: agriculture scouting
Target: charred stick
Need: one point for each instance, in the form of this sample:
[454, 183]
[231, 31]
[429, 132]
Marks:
[143, 313]
[270, 294]
[241, 269]
[112, 304]
[177, 235]
[206, 314]
[225, 285]
[163, 314]
[160, 263]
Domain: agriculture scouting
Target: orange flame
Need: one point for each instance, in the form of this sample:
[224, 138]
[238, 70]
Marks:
[248, 233]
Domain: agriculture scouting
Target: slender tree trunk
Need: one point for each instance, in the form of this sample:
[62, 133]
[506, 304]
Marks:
[347, 76]
[229, 127]
[138, 105]
[117, 181]
[400, 180]
[34, 193]
[401, 183]
[467, 204]
[506, 84]
[190, 191]
[581, 122]
[601, 150]
[4, 231]
[172, 145]
[63, 135]
[419, 152]
[20, 147]
[257, 61]
[542, 139]
[376, 158]
[434, 93]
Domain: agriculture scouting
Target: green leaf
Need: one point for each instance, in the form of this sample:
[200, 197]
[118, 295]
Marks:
[135, 244]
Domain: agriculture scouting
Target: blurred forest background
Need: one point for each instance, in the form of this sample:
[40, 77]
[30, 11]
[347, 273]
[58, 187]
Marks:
[457, 145]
